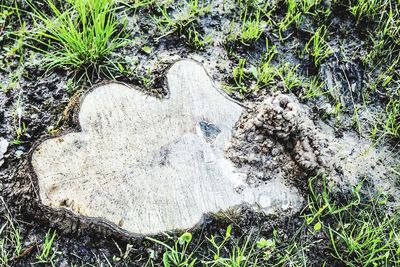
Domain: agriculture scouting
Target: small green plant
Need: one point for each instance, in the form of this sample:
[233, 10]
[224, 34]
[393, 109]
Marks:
[239, 75]
[391, 126]
[138, 4]
[10, 241]
[366, 8]
[239, 255]
[5, 14]
[317, 47]
[196, 40]
[48, 253]
[177, 255]
[313, 87]
[179, 19]
[296, 9]
[252, 28]
[80, 34]
[361, 231]
[146, 79]
[265, 73]
[289, 76]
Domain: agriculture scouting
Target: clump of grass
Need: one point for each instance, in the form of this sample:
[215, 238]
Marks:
[361, 231]
[181, 18]
[138, 4]
[80, 33]
[10, 239]
[5, 14]
[243, 253]
[251, 29]
[177, 254]
[297, 9]
[366, 8]
[196, 40]
[48, 253]
[254, 18]
[239, 75]
[391, 125]
[266, 74]
[317, 46]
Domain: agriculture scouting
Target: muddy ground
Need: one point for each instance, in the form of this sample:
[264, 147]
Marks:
[43, 103]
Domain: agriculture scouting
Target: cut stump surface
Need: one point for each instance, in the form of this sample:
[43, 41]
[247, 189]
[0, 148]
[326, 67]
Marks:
[148, 164]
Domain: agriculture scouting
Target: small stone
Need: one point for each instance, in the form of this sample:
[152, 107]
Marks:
[18, 154]
[3, 149]
[258, 123]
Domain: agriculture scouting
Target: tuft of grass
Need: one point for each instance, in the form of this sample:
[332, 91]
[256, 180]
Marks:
[181, 18]
[10, 240]
[80, 33]
[265, 73]
[48, 253]
[5, 14]
[391, 126]
[317, 46]
[296, 10]
[361, 231]
[252, 28]
[223, 252]
[197, 40]
[366, 8]
[176, 255]
[239, 255]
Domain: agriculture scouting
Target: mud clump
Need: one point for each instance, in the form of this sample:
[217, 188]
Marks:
[277, 138]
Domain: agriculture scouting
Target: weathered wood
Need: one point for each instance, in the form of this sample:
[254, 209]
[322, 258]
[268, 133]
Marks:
[150, 165]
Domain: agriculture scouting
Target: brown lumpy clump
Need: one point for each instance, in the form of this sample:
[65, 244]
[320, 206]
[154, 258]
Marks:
[277, 116]
[276, 137]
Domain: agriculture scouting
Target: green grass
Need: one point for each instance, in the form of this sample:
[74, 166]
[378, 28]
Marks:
[80, 33]
[5, 14]
[251, 29]
[391, 124]
[244, 253]
[179, 18]
[222, 253]
[359, 230]
[176, 255]
[10, 239]
[197, 40]
[379, 56]
[318, 47]
[84, 34]
[47, 254]
[265, 72]
[366, 8]
[295, 12]
[362, 232]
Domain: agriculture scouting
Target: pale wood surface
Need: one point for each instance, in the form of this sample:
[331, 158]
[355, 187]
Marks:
[151, 165]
